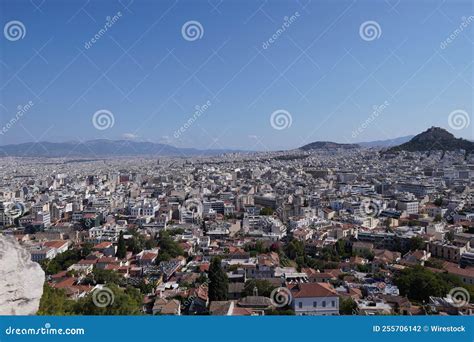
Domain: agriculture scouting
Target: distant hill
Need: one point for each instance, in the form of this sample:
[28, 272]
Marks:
[435, 138]
[322, 145]
[386, 143]
[101, 148]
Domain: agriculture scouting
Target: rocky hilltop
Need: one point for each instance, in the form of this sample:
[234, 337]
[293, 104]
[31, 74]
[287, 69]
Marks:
[435, 138]
[21, 280]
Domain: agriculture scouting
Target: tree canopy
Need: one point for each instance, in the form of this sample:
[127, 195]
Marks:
[218, 282]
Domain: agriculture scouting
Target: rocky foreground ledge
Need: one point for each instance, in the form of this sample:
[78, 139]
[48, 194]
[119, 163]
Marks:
[21, 280]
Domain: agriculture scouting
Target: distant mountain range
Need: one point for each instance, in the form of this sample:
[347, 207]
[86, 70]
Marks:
[102, 148]
[386, 143]
[435, 138]
[322, 145]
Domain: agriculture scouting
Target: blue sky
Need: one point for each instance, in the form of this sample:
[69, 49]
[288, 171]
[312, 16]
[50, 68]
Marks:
[319, 70]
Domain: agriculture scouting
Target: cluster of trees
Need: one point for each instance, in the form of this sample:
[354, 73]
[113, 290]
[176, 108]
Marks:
[418, 283]
[295, 250]
[64, 260]
[264, 287]
[135, 244]
[169, 248]
[126, 301]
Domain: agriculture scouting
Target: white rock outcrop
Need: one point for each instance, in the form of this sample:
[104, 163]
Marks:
[21, 280]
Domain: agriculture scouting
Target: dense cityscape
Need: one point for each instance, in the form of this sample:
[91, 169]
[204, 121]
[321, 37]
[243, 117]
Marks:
[323, 230]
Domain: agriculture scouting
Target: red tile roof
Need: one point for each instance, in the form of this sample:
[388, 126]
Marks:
[310, 290]
[55, 243]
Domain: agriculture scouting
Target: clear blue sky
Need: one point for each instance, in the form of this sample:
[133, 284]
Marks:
[319, 69]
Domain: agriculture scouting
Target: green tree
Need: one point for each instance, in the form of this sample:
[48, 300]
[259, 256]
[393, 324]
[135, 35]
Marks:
[449, 236]
[347, 306]
[218, 282]
[55, 302]
[62, 261]
[294, 249]
[121, 247]
[263, 286]
[106, 276]
[114, 301]
[168, 247]
[416, 242]
[419, 283]
[266, 211]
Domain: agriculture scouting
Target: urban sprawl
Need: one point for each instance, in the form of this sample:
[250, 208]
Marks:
[326, 232]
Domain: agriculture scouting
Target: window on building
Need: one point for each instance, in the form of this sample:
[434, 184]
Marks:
[315, 304]
[333, 303]
[324, 303]
[300, 305]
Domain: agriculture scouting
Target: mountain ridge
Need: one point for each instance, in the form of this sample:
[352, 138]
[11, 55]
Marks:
[319, 145]
[434, 138]
[103, 148]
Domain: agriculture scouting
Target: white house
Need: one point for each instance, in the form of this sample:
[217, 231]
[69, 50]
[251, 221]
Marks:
[314, 299]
